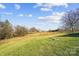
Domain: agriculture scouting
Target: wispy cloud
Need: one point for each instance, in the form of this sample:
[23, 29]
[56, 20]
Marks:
[61, 4]
[49, 6]
[46, 9]
[2, 6]
[20, 15]
[17, 6]
[6, 13]
[25, 15]
[29, 15]
[54, 18]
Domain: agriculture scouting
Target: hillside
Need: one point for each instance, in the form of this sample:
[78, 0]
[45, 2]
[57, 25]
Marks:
[40, 44]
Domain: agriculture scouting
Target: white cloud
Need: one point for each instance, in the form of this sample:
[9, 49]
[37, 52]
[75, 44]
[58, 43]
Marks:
[45, 9]
[30, 15]
[55, 17]
[37, 5]
[61, 4]
[26, 15]
[2, 6]
[21, 15]
[17, 6]
[40, 18]
[49, 6]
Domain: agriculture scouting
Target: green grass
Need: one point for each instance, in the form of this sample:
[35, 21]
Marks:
[40, 45]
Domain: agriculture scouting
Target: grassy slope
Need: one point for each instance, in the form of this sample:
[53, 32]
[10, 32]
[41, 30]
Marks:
[40, 44]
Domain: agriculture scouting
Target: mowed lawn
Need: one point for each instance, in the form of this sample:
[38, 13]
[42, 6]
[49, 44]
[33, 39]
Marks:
[40, 44]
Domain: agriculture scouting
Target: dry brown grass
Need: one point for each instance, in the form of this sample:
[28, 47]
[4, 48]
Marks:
[28, 37]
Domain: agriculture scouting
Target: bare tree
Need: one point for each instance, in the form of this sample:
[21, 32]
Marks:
[71, 20]
[33, 29]
[20, 30]
[6, 30]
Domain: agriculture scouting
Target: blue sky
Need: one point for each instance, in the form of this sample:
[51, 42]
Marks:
[43, 16]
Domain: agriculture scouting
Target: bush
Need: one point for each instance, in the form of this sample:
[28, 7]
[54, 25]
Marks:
[6, 30]
[34, 30]
[20, 30]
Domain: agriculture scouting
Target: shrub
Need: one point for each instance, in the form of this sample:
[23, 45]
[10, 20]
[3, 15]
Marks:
[34, 30]
[6, 30]
[20, 30]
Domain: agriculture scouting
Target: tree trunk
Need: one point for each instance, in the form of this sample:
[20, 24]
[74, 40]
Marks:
[72, 29]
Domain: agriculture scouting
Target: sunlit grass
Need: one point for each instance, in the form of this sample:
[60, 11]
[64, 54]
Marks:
[38, 44]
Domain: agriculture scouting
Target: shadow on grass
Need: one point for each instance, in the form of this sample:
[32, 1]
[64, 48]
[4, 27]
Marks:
[70, 35]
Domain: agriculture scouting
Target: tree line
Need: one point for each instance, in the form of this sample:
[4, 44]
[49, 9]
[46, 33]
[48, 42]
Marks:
[8, 31]
[70, 23]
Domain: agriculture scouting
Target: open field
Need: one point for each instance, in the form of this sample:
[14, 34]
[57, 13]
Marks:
[40, 44]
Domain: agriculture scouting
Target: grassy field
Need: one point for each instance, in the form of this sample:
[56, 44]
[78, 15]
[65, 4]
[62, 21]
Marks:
[40, 44]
